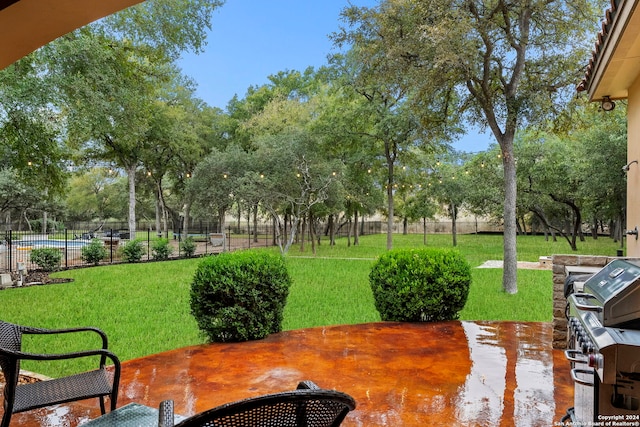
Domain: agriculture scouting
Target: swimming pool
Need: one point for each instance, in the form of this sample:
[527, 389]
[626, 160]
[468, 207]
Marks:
[31, 244]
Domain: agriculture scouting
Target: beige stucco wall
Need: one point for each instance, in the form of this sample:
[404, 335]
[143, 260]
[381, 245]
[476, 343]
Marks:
[633, 176]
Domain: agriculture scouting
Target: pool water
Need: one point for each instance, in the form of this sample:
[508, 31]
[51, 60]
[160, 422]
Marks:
[51, 243]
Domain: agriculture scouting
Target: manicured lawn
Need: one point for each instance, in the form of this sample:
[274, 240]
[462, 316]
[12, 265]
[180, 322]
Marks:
[144, 308]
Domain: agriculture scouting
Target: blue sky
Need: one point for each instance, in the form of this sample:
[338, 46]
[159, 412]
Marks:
[252, 39]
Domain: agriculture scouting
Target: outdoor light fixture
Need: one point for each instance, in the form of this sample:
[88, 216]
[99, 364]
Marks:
[625, 168]
[607, 104]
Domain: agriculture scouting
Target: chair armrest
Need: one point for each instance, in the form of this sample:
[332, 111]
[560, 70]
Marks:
[43, 331]
[307, 385]
[165, 414]
[62, 356]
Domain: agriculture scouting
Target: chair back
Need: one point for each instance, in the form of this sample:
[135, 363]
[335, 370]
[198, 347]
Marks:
[298, 408]
[10, 341]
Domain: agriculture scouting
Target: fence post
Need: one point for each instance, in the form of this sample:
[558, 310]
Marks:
[111, 245]
[10, 249]
[148, 243]
[66, 249]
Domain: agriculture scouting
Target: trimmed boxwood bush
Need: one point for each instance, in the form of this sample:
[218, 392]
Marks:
[240, 296]
[420, 285]
[47, 259]
[94, 252]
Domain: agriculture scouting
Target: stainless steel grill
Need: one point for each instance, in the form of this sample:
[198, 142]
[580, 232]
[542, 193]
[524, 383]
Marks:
[604, 346]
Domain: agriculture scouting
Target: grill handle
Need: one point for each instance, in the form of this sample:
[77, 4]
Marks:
[577, 380]
[571, 356]
[586, 307]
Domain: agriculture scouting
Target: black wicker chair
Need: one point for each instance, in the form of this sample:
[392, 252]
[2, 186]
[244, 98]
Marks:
[23, 397]
[308, 406]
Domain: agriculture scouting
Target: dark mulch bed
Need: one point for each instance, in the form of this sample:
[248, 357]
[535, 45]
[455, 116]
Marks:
[37, 277]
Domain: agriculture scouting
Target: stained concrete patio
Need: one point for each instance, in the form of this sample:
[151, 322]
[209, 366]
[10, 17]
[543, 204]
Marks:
[400, 374]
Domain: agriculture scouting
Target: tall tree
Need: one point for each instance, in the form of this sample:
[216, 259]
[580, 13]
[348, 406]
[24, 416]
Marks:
[450, 184]
[510, 59]
[602, 148]
[288, 145]
[31, 132]
[96, 194]
[108, 97]
[549, 182]
[379, 112]
[109, 72]
[298, 178]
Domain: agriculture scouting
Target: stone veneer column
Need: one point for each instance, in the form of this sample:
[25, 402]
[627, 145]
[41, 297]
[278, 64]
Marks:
[559, 301]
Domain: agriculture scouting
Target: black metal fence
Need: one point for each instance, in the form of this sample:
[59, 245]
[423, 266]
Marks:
[16, 247]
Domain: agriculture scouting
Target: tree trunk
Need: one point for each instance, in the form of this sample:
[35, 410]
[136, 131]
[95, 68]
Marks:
[158, 230]
[165, 218]
[509, 274]
[312, 231]
[390, 207]
[356, 240]
[454, 226]
[303, 230]
[424, 231]
[285, 223]
[255, 223]
[330, 227]
[26, 220]
[332, 232]
[221, 221]
[186, 221]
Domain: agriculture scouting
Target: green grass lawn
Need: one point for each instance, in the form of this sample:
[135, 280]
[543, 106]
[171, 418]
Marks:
[144, 308]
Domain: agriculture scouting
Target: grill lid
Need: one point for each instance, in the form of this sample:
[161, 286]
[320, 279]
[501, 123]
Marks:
[616, 291]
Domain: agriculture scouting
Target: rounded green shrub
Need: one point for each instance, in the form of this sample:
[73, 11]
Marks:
[420, 285]
[188, 247]
[161, 250]
[240, 296]
[94, 252]
[133, 251]
[47, 259]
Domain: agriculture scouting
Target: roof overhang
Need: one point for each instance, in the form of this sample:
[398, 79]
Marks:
[26, 25]
[615, 64]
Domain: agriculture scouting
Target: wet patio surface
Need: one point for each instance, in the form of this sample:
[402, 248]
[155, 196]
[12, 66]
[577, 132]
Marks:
[400, 374]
